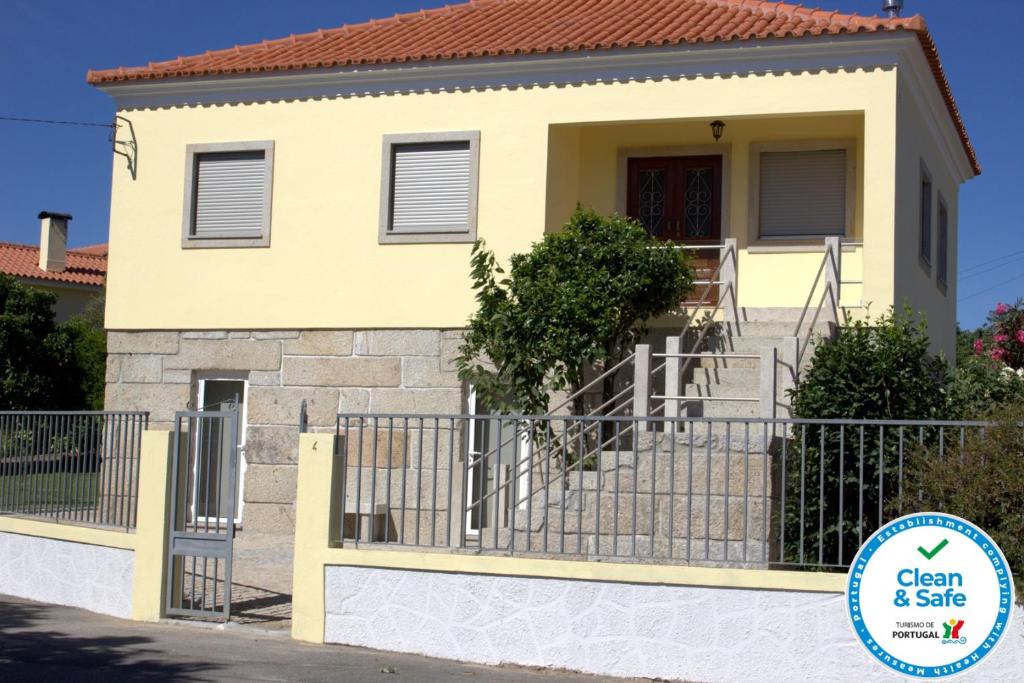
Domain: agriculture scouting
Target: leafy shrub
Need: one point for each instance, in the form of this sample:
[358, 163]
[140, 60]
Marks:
[875, 370]
[89, 343]
[983, 481]
[579, 297]
[981, 386]
[836, 492]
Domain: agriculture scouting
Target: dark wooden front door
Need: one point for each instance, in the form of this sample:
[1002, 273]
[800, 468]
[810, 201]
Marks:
[680, 199]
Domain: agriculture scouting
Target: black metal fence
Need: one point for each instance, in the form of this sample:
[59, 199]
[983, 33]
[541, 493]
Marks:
[71, 466]
[724, 492]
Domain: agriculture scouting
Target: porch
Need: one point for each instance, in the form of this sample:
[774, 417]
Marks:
[771, 187]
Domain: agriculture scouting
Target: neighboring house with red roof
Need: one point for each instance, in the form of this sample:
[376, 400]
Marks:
[302, 224]
[75, 276]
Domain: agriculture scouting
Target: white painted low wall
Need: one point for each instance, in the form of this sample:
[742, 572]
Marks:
[92, 577]
[714, 635]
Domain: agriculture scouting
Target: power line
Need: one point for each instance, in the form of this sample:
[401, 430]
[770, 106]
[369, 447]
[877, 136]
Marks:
[983, 264]
[56, 122]
[990, 269]
[989, 289]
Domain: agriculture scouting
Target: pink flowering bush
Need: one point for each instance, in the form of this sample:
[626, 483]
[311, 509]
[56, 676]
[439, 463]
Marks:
[1006, 344]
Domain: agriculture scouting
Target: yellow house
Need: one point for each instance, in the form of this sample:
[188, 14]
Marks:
[296, 218]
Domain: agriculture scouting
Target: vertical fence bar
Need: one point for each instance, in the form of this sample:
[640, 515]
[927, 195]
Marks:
[433, 485]
[707, 494]
[881, 475]
[387, 479]
[803, 471]
[821, 497]
[654, 483]
[746, 488]
[512, 488]
[371, 525]
[726, 485]
[860, 489]
[689, 493]
[451, 466]
[842, 485]
[600, 485]
[419, 483]
[356, 530]
[580, 495]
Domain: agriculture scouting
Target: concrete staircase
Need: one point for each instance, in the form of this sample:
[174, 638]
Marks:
[723, 377]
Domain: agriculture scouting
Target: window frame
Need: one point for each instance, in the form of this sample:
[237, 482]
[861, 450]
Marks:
[848, 145]
[942, 235]
[925, 260]
[384, 234]
[192, 152]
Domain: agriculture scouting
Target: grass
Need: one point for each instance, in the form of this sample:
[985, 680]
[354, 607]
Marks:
[45, 492]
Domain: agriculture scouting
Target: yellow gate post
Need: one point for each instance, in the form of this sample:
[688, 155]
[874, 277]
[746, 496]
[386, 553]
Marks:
[315, 520]
[151, 526]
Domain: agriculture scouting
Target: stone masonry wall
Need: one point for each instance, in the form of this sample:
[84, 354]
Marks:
[348, 371]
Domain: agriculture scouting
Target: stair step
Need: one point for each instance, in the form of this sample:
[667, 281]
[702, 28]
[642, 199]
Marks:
[724, 390]
[748, 344]
[767, 314]
[730, 409]
[770, 329]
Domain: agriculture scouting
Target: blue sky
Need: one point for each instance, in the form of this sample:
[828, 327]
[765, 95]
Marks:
[47, 45]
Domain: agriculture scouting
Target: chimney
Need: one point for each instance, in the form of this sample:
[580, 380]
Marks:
[892, 8]
[53, 241]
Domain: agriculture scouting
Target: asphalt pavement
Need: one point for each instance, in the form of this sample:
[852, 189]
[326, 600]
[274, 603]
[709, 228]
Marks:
[40, 642]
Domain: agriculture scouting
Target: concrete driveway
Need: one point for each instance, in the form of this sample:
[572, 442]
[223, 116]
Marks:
[41, 642]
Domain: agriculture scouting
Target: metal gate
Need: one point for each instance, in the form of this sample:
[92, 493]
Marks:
[203, 502]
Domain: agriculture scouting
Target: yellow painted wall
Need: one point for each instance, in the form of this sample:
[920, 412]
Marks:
[917, 286]
[324, 267]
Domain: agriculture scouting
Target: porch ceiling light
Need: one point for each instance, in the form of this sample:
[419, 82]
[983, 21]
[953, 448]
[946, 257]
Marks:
[716, 129]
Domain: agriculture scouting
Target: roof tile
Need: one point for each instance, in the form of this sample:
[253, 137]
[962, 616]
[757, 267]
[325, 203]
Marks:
[482, 28]
[85, 266]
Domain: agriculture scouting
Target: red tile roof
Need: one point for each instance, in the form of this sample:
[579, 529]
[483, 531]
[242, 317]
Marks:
[84, 266]
[484, 28]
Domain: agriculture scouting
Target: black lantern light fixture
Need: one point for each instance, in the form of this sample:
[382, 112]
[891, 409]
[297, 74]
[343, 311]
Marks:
[716, 129]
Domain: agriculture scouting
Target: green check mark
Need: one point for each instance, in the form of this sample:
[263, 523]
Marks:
[929, 554]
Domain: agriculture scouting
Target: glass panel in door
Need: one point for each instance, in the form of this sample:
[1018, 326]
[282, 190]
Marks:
[214, 448]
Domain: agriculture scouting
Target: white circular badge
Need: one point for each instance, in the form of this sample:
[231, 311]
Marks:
[930, 595]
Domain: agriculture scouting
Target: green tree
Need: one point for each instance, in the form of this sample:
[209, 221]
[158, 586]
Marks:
[37, 357]
[89, 341]
[580, 298]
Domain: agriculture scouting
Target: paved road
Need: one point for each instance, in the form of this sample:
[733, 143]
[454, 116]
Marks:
[47, 643]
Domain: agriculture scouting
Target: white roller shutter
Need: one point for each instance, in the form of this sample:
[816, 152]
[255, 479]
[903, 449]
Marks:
[230, 191]
[803, 194]
[430, 187]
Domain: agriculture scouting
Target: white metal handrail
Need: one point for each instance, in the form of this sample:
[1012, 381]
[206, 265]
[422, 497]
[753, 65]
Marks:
[829, 266]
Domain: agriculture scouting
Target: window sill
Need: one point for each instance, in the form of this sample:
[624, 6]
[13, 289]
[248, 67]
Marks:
[428, 238]
[781, 245]
[942, 287]
[926, 266]
[225, 242]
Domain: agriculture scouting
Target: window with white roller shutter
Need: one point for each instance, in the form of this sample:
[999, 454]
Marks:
[803, 193]
[429, 187]
[228, 194]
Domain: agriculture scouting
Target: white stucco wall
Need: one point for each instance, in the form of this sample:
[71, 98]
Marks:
[92, 577]
[674, 632]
